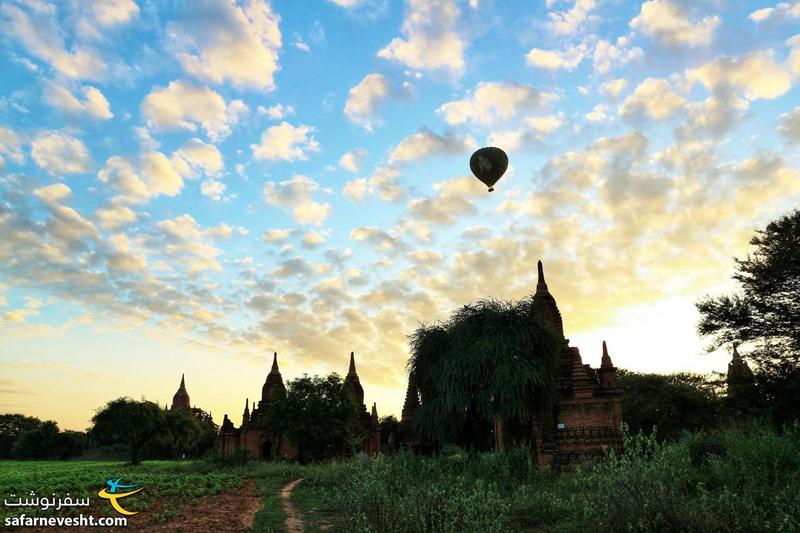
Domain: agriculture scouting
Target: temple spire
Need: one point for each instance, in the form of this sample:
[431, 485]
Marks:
[606, 361]
[375, 409]
[274, 363]
[183, 382]
[352, 369]
[541, 284]
[736, 356]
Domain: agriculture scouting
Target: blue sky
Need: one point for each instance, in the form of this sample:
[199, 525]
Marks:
[190, 186]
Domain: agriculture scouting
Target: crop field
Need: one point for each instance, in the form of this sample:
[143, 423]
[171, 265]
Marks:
[732, 480]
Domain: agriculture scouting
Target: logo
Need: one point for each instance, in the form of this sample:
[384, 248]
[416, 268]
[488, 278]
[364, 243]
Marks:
[113, 495]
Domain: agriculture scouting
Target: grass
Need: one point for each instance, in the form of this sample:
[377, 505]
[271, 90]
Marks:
[732, 480]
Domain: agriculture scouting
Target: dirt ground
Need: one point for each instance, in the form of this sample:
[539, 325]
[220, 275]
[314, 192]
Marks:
[293, 522]
[227, 512]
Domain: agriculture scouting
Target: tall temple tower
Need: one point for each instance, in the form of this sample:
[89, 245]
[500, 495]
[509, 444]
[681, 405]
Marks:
[273, 385]
[181, 398]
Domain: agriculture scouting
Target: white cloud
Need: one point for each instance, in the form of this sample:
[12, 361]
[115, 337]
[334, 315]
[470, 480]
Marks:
[425, 142]
[11, 145]
[41, 35]
[613, 88]
[453, 198]
[383, 183]
[571, 21]
[285, 142]
[790, 125]
[185, 240]
[195, 155]
[377, 237]
[352, 160]
[431, 38]
[212, 188]
[566, 59]
[757, 74]
[364, 99]
[781, 11]
[221, 41]
[544, 125]
[184, 106]
[277, 111]
[653, 97]
[607, 55]
[114, 216]
[347, 4]
[277, 235]
[597, 114]
[153, 176]
[312, 239]
[113, 12]
[297, 194]
[94, 103]
[667, 22]
[60, 153]
[494, 101]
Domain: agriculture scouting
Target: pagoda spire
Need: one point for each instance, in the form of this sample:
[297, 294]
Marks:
[541, 284]
[352, 369]
[375, 409]
[606, 361]
[183, 382]
[274, 369]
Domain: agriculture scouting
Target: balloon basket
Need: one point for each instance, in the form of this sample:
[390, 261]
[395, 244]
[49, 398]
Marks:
[491, 189]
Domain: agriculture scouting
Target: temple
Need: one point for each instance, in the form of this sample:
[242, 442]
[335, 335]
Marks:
[262, 443]
[587, 418]
[181, 398]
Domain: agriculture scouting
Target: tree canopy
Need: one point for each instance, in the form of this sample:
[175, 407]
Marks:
[316, 414]
[491, 358]
[127, 421]
[670, 402]
[765, 313]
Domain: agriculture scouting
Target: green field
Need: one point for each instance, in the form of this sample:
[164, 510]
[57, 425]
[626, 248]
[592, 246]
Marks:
[733, 480]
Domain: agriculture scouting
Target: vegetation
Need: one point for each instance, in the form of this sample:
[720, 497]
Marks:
[764, 315]
[152, 432]
[316, 414]
[673, 403]
[489, 359]
[27, 437]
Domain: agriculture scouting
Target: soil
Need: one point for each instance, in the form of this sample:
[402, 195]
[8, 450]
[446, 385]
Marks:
[293, 522]
[227, 512]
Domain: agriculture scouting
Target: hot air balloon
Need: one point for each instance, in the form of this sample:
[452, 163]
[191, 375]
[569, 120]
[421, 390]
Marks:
[489, 164]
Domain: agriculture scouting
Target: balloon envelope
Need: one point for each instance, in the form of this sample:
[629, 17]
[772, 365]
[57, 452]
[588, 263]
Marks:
[489, 164]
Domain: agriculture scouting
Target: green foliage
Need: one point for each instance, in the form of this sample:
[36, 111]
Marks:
[168, 485]
[388, 426]
[671, 402]
[490, 358]
[316, 414]
[25, 437]
[127, 421]
[765, 315]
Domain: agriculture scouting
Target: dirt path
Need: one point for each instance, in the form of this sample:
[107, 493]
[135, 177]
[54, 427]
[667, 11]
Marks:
[293, 522]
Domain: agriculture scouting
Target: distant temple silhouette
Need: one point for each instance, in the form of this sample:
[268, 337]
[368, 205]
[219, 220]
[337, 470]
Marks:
[588, 415]
[586, 420]
[264, 444]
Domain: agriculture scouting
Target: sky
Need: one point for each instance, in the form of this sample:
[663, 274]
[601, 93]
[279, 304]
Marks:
[190, 186]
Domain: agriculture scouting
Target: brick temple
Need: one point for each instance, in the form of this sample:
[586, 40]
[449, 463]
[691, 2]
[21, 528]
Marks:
[587, 418]
[263, 444]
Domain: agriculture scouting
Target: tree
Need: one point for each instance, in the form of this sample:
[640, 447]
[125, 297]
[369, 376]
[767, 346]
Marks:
[11, 427]
[388, 426]
[316, 414]
[129, 422]
[489, 359]
[670, 402]
[764, 315]
[36, 443]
